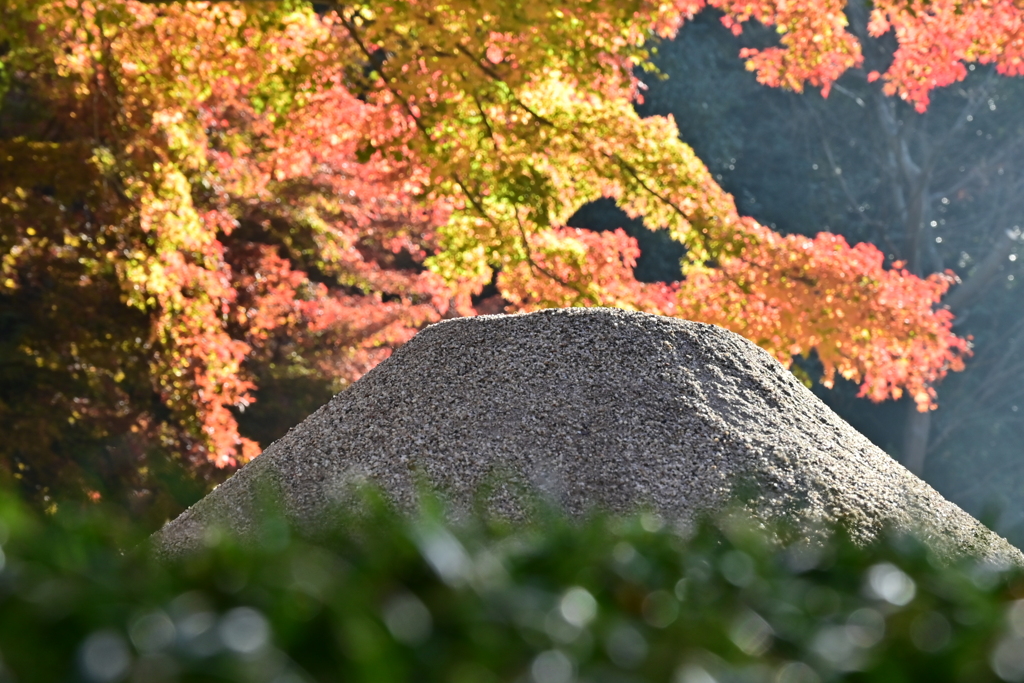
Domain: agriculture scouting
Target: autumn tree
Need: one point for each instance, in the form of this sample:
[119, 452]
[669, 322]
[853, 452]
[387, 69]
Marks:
[172, 214]
[803, 163]
[197, 196]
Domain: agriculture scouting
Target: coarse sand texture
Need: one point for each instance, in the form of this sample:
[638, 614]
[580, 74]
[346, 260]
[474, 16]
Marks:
[589, 408]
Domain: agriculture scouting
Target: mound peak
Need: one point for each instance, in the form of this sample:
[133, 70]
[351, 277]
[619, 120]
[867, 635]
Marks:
[593, 408]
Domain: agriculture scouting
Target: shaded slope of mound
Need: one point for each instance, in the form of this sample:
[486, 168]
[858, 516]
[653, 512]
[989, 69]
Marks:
[593, 408]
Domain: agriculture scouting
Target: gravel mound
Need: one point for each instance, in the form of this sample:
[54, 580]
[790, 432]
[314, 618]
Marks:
[589, 408]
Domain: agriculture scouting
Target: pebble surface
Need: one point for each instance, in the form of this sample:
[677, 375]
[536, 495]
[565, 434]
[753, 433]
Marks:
[592, 408]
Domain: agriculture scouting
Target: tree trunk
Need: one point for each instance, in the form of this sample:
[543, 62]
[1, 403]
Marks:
[915, 438]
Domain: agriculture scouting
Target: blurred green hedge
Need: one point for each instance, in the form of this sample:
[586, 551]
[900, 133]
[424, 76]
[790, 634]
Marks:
[389, 598]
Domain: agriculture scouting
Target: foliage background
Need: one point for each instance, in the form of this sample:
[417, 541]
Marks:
[398, 598]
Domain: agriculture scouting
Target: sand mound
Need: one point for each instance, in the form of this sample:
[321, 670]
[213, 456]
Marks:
[591, 407]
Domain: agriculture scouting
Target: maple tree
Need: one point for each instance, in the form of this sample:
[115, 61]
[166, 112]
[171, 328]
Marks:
[202, 194]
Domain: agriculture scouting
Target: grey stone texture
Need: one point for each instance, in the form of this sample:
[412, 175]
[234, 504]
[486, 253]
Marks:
[589, 408]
